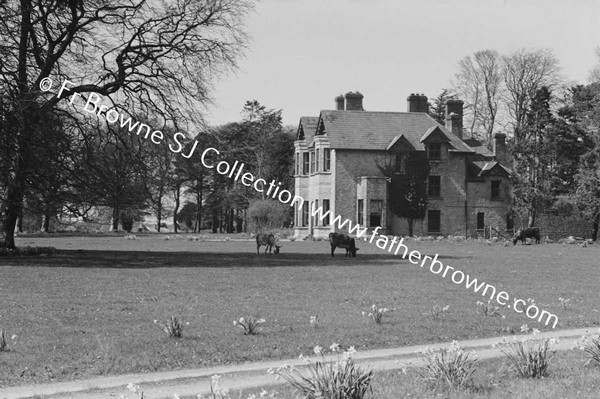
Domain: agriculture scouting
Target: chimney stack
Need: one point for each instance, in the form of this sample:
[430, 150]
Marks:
[339, 103]
[500, 153]
[417, 103]
[354, 101]
[454, 124]
[454, 117]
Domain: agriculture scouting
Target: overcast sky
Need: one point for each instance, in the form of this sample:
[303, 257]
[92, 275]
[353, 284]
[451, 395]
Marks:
[305, 52]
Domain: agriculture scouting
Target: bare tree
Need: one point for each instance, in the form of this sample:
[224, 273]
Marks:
[526, 71]
[479, 82]
[595, 72]
[147, 56]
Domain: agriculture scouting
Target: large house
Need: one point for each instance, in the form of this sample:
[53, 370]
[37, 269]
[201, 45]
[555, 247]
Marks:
[338, 155]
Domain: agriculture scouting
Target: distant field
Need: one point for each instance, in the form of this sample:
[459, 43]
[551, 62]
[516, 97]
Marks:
[89, 309]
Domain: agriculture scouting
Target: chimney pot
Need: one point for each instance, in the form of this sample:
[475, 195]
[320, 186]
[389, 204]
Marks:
[417, 103]
[340, 103]
[354, 101]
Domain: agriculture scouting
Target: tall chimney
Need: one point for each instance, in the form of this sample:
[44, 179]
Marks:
[339, 103]
[455, 126]
[500, 153]
[417, 103]
[354, 101]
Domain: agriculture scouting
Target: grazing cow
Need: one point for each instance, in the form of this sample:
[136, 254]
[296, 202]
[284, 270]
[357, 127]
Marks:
[343, 241]
[523, 234]
[269, 241]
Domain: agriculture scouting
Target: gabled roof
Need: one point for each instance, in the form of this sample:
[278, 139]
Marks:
[483, 168]
[307, 128]
[478, 147]
[399, 141]
[432, 132]
[368, 130]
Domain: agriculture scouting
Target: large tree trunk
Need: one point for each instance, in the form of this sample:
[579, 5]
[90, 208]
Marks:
[9, 213]
[46, 222]
[159, 208]
[198, 223]
[13, 198]
[410, 227]
[215, 221]
[532, 217]
[595, 226]
[177, 195]
[20, 220]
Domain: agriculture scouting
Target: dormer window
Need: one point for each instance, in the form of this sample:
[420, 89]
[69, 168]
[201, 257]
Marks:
[434, 151]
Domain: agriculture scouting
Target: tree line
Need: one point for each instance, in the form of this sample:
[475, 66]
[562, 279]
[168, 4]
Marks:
[553, 128]
[156, 64]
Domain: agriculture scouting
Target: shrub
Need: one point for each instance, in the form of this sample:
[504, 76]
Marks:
[341, 379]
[27, 251]
[136, 390]
[564, 302]
[3, 341]
[267, 214]
[376, 313]
[215, 391]
[436, 311]
[250, 325]
[314, 321]
[529, 358]
[173, 328]
[489, 309]
[452, 366]
[591, 346]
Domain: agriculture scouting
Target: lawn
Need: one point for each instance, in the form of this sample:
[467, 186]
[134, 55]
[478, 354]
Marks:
[90, 309]
[493, 380]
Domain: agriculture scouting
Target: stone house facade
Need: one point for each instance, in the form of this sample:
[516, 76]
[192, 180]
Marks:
[336, 168]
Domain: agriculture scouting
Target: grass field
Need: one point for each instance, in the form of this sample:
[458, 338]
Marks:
[90, 309]
[568, 379]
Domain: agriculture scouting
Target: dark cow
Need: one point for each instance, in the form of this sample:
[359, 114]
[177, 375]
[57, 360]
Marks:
[523, 234]
[343, 241]
[269, 241]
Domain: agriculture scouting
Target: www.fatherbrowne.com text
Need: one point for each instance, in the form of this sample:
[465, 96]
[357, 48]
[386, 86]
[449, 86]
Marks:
[235, 171]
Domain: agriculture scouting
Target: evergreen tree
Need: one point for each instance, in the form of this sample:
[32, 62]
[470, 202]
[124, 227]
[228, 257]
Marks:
[531, 180]
[586, 105]
[438, 109]
[407, 186]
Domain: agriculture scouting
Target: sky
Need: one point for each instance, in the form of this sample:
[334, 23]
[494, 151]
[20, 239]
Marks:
[303, 53]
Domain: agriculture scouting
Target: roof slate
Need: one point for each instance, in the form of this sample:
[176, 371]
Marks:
[478, 147]
[483, 167]
[368, 130]
[309, 126]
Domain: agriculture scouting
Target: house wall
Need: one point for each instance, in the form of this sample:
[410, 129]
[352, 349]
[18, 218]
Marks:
[494, 210]
[355, 175]
[315, 186]
[451, 203]
[350, 166]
